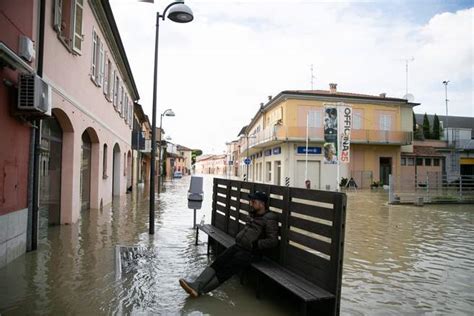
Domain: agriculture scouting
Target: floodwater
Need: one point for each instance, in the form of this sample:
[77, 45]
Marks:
[398, 260]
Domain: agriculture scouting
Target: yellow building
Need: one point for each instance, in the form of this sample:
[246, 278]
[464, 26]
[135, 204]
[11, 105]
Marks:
[382, 129]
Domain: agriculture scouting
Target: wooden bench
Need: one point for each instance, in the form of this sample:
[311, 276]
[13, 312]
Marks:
[308, 261]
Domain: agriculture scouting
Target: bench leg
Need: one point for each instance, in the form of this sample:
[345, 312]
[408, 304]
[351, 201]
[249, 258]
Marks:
[208, 245]
[304, 309]
[259, 287]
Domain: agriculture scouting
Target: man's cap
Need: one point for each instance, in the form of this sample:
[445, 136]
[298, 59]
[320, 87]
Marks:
[260, 196]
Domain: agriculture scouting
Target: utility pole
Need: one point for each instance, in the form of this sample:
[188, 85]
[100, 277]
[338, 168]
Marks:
[406, 73]
[446, 100]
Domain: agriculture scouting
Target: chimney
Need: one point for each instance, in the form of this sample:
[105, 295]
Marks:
[333, 87]
[383, 95]
[261, 105]
[270, 98]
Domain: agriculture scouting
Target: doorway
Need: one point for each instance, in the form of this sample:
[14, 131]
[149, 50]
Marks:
[86, 149]
[116, 171]
[50, 175]
[277, 178]
[385, 169]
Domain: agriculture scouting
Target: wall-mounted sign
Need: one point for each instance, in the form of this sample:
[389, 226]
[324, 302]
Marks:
[311, 150]
[277, 150]
[268, 152]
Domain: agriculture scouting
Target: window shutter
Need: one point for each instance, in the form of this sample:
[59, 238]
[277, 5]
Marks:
[77, 27]
[101, 64]
[125, 108]
[106, 75]
[58, 13]
[94, 55]
[131, 114]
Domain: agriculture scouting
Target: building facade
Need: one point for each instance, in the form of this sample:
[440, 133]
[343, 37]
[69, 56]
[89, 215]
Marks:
[141, 145]
[18, 19]
[211, 164]
[381, 130]
[82, 156]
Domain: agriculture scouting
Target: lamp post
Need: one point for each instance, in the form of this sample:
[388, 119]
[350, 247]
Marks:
[180, 13]
[446, 100]
[168, 112]
[247, 165]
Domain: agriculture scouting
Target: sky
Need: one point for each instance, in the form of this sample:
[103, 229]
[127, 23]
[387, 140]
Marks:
[215, 71]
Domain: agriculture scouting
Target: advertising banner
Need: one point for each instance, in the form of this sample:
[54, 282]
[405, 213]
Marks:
[345, 126]
[330, 134]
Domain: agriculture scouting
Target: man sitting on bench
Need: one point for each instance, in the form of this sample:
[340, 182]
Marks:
[260, 233]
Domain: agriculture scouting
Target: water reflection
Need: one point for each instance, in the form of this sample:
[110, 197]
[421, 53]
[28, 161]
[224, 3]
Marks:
[398, 260]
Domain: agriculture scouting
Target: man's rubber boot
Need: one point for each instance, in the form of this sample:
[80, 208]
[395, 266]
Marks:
[195, 288]
[211, 285]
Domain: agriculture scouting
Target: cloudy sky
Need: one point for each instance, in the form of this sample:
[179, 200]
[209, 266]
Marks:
[215, 71]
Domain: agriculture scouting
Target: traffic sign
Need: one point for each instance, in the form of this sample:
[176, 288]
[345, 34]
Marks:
[247, 161]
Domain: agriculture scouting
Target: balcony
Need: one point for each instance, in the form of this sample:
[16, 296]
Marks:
[278, 134]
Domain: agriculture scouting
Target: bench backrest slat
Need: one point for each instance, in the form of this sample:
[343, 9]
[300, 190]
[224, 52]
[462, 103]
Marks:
[311, 223]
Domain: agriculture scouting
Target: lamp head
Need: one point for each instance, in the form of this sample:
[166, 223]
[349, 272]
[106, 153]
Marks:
[169, 113]
[180, 13]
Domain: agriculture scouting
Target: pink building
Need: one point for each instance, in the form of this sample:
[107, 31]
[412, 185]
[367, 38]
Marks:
[85, 156]
[87, 141]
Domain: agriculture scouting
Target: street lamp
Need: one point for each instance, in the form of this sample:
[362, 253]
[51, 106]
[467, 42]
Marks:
[180, 13]
[446, 99]
[168, 112]
[247, 165]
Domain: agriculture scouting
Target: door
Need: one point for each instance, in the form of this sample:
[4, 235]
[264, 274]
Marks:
[385, 169]
[277, 178]
[50, 175]
[313, 174]
[86, 171]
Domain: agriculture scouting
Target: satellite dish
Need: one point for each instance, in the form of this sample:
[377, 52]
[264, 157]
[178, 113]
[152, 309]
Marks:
[409, 97]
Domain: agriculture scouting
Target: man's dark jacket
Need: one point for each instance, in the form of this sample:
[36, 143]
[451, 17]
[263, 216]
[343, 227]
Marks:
[260, 232]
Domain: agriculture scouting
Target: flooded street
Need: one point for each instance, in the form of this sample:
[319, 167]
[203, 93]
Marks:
[398, 260]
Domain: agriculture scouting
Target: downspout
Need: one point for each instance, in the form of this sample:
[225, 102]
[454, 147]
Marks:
[33, 186]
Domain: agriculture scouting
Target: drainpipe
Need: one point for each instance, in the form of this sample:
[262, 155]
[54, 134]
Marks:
[33, 176]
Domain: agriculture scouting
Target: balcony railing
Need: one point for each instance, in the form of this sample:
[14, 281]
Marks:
[298, 133]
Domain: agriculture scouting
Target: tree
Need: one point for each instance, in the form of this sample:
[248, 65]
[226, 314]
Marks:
[436, 128]
[194, 154]
[426, 127]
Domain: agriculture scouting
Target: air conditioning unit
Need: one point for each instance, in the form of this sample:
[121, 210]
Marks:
[34, 95]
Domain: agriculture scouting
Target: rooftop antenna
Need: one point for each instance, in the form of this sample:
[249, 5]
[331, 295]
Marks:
[312, 78]
[407, 60]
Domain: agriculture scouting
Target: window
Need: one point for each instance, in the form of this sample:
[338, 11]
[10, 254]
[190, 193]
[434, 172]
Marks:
[269, 171]
[108, 80]
[436, 162]
[315, 118]
[403, 162]
[427, 161]
[58, 15]
[125, 108]
[385, 122]
[77, 27]
[357, 119]
[116, 90]
[419, 161]
[410, 161]
[104, 163]
[98, 60]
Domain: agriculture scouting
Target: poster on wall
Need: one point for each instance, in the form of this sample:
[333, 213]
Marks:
[345, 126]
[330, 134]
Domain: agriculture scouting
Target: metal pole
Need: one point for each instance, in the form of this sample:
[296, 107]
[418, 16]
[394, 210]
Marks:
[153, 132]
[307, 141]
[247, 178]
[338, 155]
[194, 219]
[446, 100]
[159, 157]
